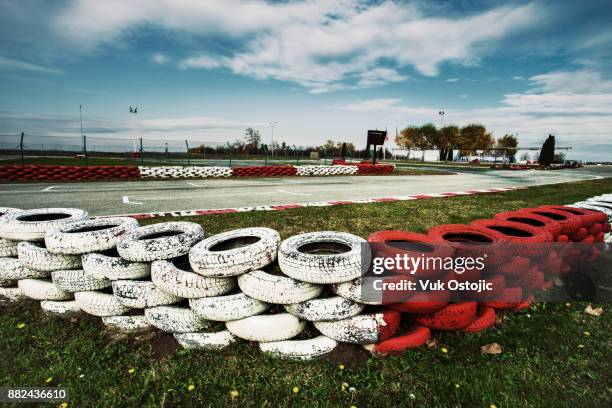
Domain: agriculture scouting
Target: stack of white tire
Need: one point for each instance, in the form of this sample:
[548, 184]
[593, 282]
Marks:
[9, 291]
[208, 292]
[320, 170]
[185, 172]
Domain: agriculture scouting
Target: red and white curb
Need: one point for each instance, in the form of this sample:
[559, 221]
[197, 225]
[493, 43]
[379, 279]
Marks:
[280, 207]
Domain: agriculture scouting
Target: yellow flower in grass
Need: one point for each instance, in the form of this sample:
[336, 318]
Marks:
[296, 390]
[190, 387]
[63, 405]
[457, 385]
[492, 406]
[21, 325]
[131, 370]
[586, 333]
[444, 350]
[48, 380]
[234, 394]
[581, 346]
[344, 386]
[341, 366]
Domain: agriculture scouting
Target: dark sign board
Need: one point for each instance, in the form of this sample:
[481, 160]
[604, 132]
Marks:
[377, 137]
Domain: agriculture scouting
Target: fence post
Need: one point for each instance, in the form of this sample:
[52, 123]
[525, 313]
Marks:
[188, 153]
[265, 147]
[297, 158]
[21, 147]
[324, 154]
[229, 149]
[141, 153]
[85, 150]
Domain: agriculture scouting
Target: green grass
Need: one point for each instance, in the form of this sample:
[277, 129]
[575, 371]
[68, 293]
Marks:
[547, 358]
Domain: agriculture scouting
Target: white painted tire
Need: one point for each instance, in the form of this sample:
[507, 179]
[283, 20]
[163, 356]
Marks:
[77, 280]
[208, 258]
[87, 236]
[175, 319]
[229, 307]
[295, 262]
[100, 304]
[159, 241]
[8, 248]
[35, 256]
[206, 341]
[12, 269]
[355, 289]
[265, 328]
[301, 350]
[40, 289]
[360, 329]
[325, 309]
[31, 225]
[127, 324]
[186, 284]
[101, 265]
[63, 309]
[8, 283]
[277, 289]
[11, 294]
[141, 294]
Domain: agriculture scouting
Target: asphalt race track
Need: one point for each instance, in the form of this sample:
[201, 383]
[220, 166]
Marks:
[106, 198]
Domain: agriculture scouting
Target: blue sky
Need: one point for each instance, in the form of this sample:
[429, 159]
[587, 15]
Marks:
[205, 70]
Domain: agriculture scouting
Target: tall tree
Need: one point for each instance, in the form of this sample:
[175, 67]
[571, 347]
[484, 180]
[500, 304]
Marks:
[475, 137]
[447, 141]
[509, 142]
[252, 138]
[407, 138]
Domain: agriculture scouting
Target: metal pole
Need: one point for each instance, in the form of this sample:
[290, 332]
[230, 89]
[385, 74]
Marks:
[229, 149]
[85, 150]
[188, 153]
[266, 155]
[297, 158]
[325, 154]
[21, 147]
[141, 153]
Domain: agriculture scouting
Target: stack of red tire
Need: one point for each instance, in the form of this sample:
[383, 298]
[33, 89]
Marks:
[264, 171]
[363, 168]
[526, 258]
[340, 162]
[67, 173]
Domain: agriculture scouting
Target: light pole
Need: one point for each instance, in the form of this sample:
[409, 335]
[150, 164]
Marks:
[272, 124]
[441, 113]
[133, 111]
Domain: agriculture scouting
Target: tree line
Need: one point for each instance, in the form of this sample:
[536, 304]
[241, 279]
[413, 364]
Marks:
[467, 140]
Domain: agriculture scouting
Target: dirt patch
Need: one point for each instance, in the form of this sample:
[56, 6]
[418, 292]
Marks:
[348, 354]
[164, 345]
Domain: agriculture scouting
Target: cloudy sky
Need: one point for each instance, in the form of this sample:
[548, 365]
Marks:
[204, 70]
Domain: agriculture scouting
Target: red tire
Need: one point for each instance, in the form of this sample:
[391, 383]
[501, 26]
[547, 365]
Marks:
[511, 297]
[415, 337]
[453, 317]
[589, 217]
[534, 220]
[423, 302]
[570, 223]
[411, 244]
[485, 318]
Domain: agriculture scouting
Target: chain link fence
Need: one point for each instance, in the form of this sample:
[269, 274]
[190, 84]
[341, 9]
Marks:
[28, 148]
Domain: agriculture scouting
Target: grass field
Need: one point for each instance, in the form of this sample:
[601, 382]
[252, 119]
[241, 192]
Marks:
[554, 355]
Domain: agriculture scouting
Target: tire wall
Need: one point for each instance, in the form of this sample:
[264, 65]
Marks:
[183, 295]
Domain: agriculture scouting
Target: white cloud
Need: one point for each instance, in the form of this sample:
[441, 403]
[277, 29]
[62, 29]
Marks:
[566, 104]
[322, 45]
[17, 65]
[200, 61]
[464, 96]
[452, 79]
[160, 58]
